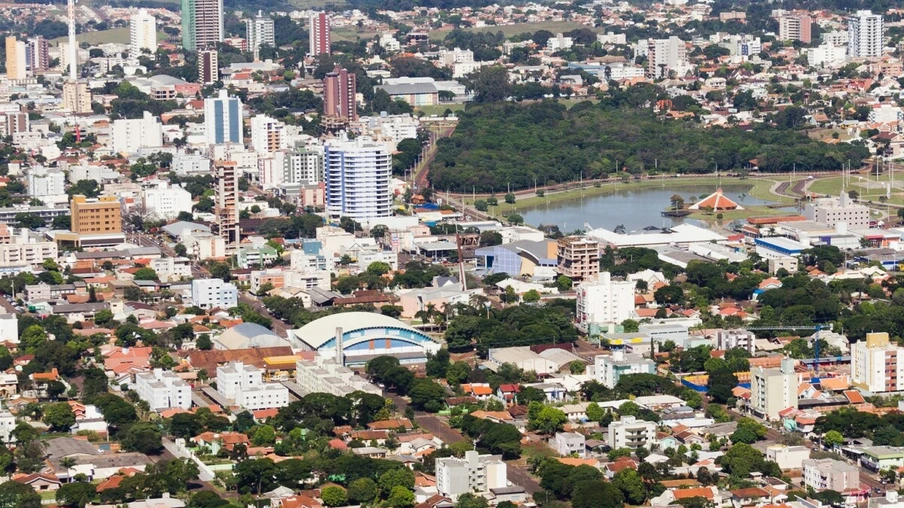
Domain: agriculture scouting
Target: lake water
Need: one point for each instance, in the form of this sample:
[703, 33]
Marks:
[635, 209]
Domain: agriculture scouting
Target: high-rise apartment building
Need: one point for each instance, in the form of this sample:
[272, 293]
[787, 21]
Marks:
[795, 27]
[268, 135]
[877, 365]
[208, 66]
[629, 432]
[865, 31]
[38, 55]
[223, 119]
[142, 32]
[319, 34]
[303, 165]
[16, 62]
[43, 182]
[202, 23]
[259, 31]
[474, 473]
[13, 122]
[357, 175]
[663, 55]
[76, 97]
[339, 89]
[578, 258]
[773, 390]
[95, 216]
[227, 210]
[604, 301]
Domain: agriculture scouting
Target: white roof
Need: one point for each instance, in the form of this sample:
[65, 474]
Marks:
[320, 331]
[683, 233]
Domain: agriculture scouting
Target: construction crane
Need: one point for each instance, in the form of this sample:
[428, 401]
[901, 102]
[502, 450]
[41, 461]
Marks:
[818, 328]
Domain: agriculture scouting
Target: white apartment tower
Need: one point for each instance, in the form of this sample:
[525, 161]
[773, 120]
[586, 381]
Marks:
[664, 55]
[223, 119]
[267, 135]
[142, 32]
[259, 31]
[604, 301]
[357, 175]
[245, 384]
[304, 165]
[163, 390]
[212, 293]
[865, 31]
[164, 201]
[128, 135]
[877, 365]
[629, 432]
[474, 473]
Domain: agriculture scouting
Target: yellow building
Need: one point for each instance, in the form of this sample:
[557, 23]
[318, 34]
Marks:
[15, 59]
[95, 216]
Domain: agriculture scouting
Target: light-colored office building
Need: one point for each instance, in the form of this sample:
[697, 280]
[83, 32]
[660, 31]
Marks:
[357, 175]
[474, 473]
[9, 328]
[44, 182]
[609, 369]
[629, 432]
[788, 457]
[773, 390]
[163, 389]
[832, 211]
[877, 365]
[172, 269]
[100, 215]
[865, 32]
[604, 301]
[23, 248]
[164, 201]
[213, 293]
[829, 474]
[142, 33]
[731, 339]
[129, 135]
[245, 384]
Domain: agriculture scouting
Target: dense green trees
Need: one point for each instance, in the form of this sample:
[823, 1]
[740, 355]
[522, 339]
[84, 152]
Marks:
[501, 144]
[513, 326]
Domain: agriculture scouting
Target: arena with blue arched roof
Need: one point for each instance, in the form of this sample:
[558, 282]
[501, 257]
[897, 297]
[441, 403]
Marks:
[364, 336]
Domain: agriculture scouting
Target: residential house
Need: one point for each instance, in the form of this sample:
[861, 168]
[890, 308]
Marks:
[570, 444]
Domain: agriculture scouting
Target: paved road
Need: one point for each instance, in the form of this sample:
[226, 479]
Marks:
[517, 474]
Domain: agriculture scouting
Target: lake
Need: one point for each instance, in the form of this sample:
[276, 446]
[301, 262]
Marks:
[635, 209]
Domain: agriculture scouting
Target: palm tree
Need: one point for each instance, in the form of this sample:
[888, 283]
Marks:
[68, 463]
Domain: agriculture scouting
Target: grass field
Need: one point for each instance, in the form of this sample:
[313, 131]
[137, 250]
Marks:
[439, 109]
[868, 188]
[350, 34]
[113, 35]
[510, 30]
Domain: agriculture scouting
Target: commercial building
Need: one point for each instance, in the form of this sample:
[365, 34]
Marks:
[163, 389]
[142, 32]
[795, 27]
[245, 385]
[259, 31]
[414, 91]
[227, 200]
[46, 182]
[865, 31]
[208, 66]
[129, 135]
[362, 336]
[831, 212]
[172, 269]
[773, 390]
[474, 473]
[213, 293]
[38, 54]
[609, 369]
[665, 55]
[96, 215]
[319, 34]
[223, 119]
[829, 474]
[569, 444]
[877, 365]
[164, 201]
[339, 95]
[604, 301]
[21, 249]
[202, 24]
[578, 258]
[629, 432]
[16, 62]
[268, 135]
[324, 374]
[788, 457]
[357, 175]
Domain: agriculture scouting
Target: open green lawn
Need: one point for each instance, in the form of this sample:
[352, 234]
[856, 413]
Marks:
[350, 34]
[439, 109]
[113, 35]
[510, 30]
[867, 187]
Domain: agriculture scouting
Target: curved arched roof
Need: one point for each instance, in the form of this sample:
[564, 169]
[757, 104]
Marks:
[319, 332]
